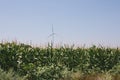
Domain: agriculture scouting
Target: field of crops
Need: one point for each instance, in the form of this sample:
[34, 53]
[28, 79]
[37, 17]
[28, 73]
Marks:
[61, 63]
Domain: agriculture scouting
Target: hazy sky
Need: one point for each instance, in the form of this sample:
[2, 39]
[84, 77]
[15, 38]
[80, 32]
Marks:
[74, 21]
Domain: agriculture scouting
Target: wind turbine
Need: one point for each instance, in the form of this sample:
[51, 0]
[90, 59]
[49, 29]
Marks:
[52, 35]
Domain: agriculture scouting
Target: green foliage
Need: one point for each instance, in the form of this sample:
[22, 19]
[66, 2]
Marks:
[10, 75]
[51, 63]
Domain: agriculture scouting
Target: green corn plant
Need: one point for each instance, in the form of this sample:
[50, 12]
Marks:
[31, 61]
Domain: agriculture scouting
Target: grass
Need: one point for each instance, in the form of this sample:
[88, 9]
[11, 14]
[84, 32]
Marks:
[10, 75]
[100, 76]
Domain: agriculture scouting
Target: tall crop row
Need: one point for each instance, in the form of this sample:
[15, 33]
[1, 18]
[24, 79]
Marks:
[53, 63]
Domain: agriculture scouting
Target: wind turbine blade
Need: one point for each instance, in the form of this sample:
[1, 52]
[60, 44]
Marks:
[50, 35]
[52, 29]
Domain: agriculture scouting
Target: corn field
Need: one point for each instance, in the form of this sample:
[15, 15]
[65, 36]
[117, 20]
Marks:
[62, 63]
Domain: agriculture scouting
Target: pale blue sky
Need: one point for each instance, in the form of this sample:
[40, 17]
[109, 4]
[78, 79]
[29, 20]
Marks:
[75, 21]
